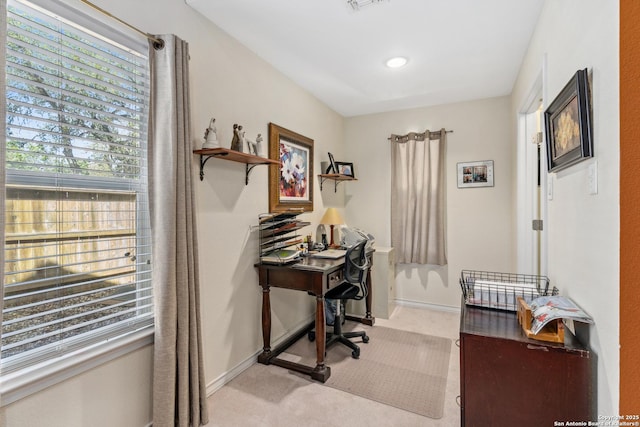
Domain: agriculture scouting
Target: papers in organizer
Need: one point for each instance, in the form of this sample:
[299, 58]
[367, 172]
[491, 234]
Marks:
[331, 254]
[546, 309]
[501, 294]
[281, 256]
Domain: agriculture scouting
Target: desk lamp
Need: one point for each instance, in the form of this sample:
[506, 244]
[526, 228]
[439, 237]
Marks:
[332, 217]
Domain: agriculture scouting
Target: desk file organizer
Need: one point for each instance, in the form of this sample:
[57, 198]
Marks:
[279, 238]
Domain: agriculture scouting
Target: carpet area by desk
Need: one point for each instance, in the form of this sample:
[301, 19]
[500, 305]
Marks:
[403, 369]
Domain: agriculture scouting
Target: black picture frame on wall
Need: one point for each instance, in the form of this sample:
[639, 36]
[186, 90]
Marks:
[568, 124]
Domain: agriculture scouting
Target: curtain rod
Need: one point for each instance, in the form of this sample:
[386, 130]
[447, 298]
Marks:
[417, 135]
[157, 43]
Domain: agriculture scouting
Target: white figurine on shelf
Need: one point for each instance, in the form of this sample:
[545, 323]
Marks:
[241, 140]
[236, 145]
[258, 146]
[255, 148]
[252, 147]
[211, 136]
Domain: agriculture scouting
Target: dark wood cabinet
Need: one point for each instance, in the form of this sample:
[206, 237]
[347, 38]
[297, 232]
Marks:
[507, 379]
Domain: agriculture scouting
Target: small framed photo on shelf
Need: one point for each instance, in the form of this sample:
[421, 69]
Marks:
[345, 168]
[332, 165]
[475, 174]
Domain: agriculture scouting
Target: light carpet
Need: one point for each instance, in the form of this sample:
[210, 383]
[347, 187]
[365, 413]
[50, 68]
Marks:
[403, 369]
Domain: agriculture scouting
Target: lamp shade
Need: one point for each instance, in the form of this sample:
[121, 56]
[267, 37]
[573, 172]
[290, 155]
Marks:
[331, 217]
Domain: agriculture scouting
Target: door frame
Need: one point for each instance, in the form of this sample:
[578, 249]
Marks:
[526, 179]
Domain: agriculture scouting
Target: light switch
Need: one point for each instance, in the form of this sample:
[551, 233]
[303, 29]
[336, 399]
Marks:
[592, 178]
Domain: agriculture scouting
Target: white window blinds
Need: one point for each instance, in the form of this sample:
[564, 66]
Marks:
[77, 238]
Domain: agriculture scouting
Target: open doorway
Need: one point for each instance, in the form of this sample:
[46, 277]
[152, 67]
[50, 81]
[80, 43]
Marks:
[532, 186]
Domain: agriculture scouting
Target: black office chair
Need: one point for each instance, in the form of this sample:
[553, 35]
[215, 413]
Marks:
[353, 287]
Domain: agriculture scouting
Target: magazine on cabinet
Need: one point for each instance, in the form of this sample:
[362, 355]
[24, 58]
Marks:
[546, 309]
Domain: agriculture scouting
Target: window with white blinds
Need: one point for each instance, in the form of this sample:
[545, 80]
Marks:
[77, 252]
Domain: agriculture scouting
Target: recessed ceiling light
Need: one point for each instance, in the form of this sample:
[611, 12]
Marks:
[396, 62]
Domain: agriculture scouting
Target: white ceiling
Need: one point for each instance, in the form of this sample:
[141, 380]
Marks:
[458, 50]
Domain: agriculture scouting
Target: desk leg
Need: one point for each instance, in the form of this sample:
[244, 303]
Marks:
[321, 372]
[368, 319]
[266, 326]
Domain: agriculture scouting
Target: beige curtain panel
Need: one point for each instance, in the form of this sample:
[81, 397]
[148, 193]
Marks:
[179, 393]
[417, 197]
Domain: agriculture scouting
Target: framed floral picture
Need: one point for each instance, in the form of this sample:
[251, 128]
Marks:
[291, 181]
[568, 124]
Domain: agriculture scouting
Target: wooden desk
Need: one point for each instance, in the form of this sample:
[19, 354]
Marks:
[314, 276]
[507, 379]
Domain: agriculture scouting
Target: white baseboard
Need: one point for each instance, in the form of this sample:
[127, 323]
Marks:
[225, 377]
[427, 306]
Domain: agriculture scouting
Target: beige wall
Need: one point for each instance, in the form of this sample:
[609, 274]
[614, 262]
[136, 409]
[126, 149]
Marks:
[232, 84]
[583, 229]
[479, 221]
[117, 393]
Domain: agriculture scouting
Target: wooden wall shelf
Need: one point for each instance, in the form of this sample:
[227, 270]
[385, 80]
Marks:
[249, 160]
[336, 178]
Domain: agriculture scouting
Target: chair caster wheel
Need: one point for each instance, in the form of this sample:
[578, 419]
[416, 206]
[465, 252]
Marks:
[312, 336]
[365, 339]
[355, 354]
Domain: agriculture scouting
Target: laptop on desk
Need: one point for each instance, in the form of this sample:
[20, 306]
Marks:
[330, 253]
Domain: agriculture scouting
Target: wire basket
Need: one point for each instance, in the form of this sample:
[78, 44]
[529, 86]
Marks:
[501, 290]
